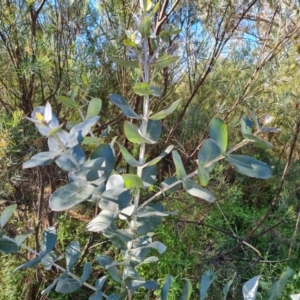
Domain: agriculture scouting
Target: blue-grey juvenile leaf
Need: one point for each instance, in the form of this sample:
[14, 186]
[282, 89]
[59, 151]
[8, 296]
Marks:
[94, 108]
[158, 158]
[100, 282]
[165, 112]
[67, 285]
[206, 280]
[124, 106]
[105, 261]
[69, 195]
[20, 238]
[8, 246]
[72, 254]
[6, 214]
[48, 240]
[187, 290]
[104, 150]
[30, 263]
[114, 181]
[170, 181]
[48, 260]
[79, 131]
[164, 61]
[203, 174]
[133, 134]
[96, 296]
[102, 221]
[246, 125]
[133, 285]
[128, 157]
[180, 170]
[218, 133]
[249, 166]
[42, 159]
[87, 270]
[115, 199]
[257, 142]
[113, 296]
[208, 152]
[153, 131]
[166, 287]
[250, 288]
[149, 175]
[49, 287]
[196, 190]
[227, 287]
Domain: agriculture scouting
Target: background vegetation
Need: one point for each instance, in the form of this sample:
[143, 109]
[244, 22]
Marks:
[235, 57]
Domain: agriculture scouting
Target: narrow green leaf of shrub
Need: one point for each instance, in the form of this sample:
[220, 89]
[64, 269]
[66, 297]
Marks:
[164, 61]
[101, 222]
[6, 214]
[208, 152]
[295, 297]
[128, 157]
[28, 264]
[132, 181]
[153, 131]
[156, 91]
[94, 108]
[96, 296]
[124, 106]
[8, 246]
[67, 285]
[115, 199]
[206, 280]
[70, 195]
[67, 101]
[20, 238]
[180, 171]
[158, 158]
[79, 131]
[166, 287]
[144, 27]
[133, 135]
[166, 111]
[149, 175]
[278, 287]
[142, 89]
[257, 142]
[72, 253]
[48, 240]
[249, 166]
[42, 159]
[105, 261]
[125, 63]
[187, 290]
[203, 174]
[218, 133]
[87, 271]
[49, 287]
[100, 282]
[246, 125]
[196, 190]
[250, 288]
[169, 182]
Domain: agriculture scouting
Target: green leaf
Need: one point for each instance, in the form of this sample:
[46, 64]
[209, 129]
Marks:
[107, 263]
[128, 157]
[247, 125]
[153, 131]
[67, 101]
[187, 290]
[129, 43]
[94, 108]
[79, 131]
[218, 133]
[142, 89]
[255, 120]
[278, 287]
[166, 111]
[164, 61]
[149, 175]
[67, 285]
[133, 135]
[158, 158]
[72, 254]
[101, 222]
[42, 159]
[203, 174]
[257, 142]
[208, 152]
[48, 240]
[87, 271]
[124, 106]
[180, 171]
[6, 214]
[125, 63]
[132, 181]
[156, 91]
[144, 27]
[166, 287]
[249, 166]
[69, 195]
[250, 288]
[8, 246]
[206, 280]
[196, 190]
